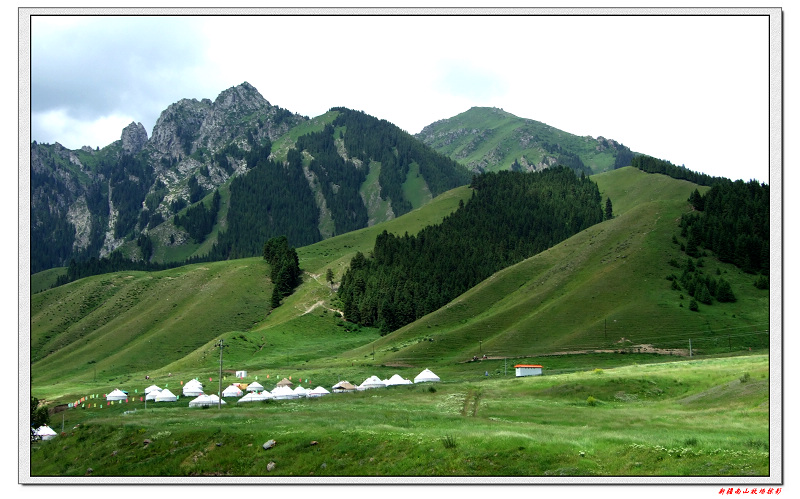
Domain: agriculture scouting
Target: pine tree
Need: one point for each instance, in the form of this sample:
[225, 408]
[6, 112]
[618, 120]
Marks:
[609, 212]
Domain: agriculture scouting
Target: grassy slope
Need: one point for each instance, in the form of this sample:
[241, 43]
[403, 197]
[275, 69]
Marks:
[592, 291]
[118, 320]
[504, 142]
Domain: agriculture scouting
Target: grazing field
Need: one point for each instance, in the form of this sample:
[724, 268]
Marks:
[690, 418]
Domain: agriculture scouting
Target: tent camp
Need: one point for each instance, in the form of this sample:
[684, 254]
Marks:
[152, 395]
[283, 392]
[232, 391]
[300, 391]
[426, 376]
[284, 382]
[397, 380]
[151, 388]
[255, 397]
[255, 387]
[372, 382]
[317, 392]
[343, 386]
[45, 432]
[117, 394]
[166, 396]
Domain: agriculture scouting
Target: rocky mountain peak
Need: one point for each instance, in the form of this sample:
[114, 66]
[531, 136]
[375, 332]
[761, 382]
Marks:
[134, 138]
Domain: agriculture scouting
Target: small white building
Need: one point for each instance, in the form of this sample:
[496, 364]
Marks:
[528, 370]
[241, 374]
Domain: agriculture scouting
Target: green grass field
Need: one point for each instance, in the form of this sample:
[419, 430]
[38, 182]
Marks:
[697, 418]
[621, 396]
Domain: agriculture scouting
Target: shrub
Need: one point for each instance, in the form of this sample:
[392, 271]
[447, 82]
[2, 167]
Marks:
[449, 442]
[591, 401]
[598, 371]
[693, 305]
[744, 378]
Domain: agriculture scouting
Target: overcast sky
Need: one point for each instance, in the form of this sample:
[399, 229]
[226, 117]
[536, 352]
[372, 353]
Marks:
[690, 89]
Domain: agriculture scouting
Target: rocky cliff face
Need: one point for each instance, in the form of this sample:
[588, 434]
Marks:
[185, 139]
[134, 138]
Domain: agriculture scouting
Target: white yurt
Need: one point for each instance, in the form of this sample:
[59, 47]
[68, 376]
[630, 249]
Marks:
[215, 400]
[200, 401]
[152, 394]
[300, 391]
[255, 386]
[372, 382]
[426, 376]
[45, 432]
[232, 391]
[151, 388]
[283, 392]
[117, 394]
[193, 388]
[317, 392]
[166, 396]
[397, 380]
[255, 397]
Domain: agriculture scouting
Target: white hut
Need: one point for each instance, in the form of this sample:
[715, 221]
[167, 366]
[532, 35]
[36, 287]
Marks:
[45, 432]
[397, 380]
[241, 374]
[166, 396]
[372, 382]
[317, 392]
[528, 370]
[117, 394]
[193, 388]
[300, 391]
[151, 388]
[255, 397]
[152, 394]
[426, 376]
[232, 391]
[283, 392]
[200, 401]
[255, 387]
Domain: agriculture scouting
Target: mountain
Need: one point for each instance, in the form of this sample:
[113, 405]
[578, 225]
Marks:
[490, 139]
[208, 185]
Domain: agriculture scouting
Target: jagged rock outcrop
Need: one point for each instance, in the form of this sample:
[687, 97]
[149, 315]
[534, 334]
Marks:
[134, 138]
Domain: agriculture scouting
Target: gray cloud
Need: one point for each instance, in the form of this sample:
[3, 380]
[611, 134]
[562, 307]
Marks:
[133, 66]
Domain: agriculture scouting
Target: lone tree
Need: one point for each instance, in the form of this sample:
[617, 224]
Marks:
[329, 277]
[609, 212]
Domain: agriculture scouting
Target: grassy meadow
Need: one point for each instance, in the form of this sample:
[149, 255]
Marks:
[620, 396]
[691, 418]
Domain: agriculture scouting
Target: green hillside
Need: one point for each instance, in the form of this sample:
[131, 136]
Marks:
[604, 289]
[125, 325]
[490, 139]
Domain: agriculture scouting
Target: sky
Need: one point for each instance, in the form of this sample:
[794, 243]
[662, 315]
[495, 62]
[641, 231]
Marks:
[690, 89]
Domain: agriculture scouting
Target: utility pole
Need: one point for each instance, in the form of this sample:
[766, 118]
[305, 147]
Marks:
[220, 345]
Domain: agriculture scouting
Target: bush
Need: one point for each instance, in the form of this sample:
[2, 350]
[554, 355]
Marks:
[693, 305]
[598, 371]
[449, 442]
[744, 378]
[762, 282]
[591, 401]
